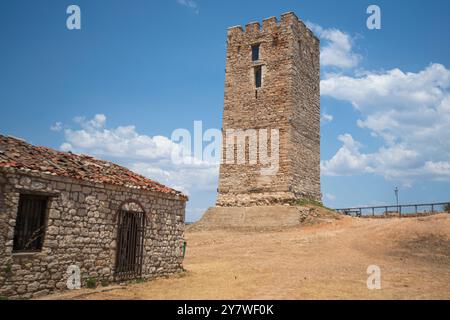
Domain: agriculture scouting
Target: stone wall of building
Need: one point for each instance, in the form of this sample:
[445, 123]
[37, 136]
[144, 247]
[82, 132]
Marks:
[81, 230]
[288, 100]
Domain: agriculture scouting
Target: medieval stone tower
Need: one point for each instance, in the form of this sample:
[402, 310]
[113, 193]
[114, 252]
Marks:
[272, 82]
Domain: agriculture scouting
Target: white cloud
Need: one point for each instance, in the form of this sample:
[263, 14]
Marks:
[56, 127]
[191, 4]
[337, 50]
[391, 90]
[149, 156]
[409, 112]
[441, 169]
[348, 159]
[392, 162]
[396, 162]
[325, 118]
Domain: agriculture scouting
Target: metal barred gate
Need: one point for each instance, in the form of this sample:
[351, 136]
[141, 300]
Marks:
[130, 244]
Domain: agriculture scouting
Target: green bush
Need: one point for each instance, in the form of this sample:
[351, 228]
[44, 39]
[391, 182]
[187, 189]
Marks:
[447, 208]
[7, 269]
[306, 202]
[91, 283]
[3, 298]
[310, 202]
[104, 283]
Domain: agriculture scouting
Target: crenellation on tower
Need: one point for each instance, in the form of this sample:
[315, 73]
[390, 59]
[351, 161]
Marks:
[270, 24]
[253, 27]
[235, 30]
[289, 18]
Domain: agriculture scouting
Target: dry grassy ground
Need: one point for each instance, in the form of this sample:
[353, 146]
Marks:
[320, 261]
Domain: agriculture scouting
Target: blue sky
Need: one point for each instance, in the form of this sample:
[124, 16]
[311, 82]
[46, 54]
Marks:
[138, 70]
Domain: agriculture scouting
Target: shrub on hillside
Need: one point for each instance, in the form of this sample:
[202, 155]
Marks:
[447, 208]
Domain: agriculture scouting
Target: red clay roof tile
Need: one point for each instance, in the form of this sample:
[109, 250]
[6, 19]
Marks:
[16, 153]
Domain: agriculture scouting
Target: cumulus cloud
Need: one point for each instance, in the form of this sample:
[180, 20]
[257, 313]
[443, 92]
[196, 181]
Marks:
[408, 111]
[440, 169]
[337, 48]
[147, 155]
[391, 90]
[396, 162]
[398, 106]
[347, 160]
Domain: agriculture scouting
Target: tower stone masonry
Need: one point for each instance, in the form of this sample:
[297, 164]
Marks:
[273, 83]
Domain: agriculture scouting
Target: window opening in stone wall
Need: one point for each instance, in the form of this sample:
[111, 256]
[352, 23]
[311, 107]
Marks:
[258, 76]
[255, 52]
[30, 223]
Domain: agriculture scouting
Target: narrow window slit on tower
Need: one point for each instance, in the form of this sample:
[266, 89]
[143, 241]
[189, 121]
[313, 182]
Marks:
[258, 76]
[255, 52]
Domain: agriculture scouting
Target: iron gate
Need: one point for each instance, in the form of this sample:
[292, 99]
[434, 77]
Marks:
[130, 244]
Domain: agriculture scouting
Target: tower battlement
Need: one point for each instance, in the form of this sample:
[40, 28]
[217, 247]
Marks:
[270, 25]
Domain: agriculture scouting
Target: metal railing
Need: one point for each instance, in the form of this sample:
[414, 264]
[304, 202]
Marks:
[398, 210]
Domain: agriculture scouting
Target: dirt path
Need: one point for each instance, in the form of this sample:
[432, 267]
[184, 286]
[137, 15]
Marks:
[327, 261]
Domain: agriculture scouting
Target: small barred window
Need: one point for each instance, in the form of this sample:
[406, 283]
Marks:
[30, 223]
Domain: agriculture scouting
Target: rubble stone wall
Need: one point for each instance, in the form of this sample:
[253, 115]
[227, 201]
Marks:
[81, 229]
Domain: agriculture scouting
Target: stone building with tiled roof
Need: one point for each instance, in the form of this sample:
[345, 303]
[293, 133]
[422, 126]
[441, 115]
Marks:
[68, 219]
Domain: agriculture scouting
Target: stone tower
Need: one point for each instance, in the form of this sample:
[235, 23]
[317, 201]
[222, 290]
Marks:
[273, 83]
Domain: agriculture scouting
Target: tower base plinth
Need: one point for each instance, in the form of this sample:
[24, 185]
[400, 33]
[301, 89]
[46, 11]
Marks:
[264, 217]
